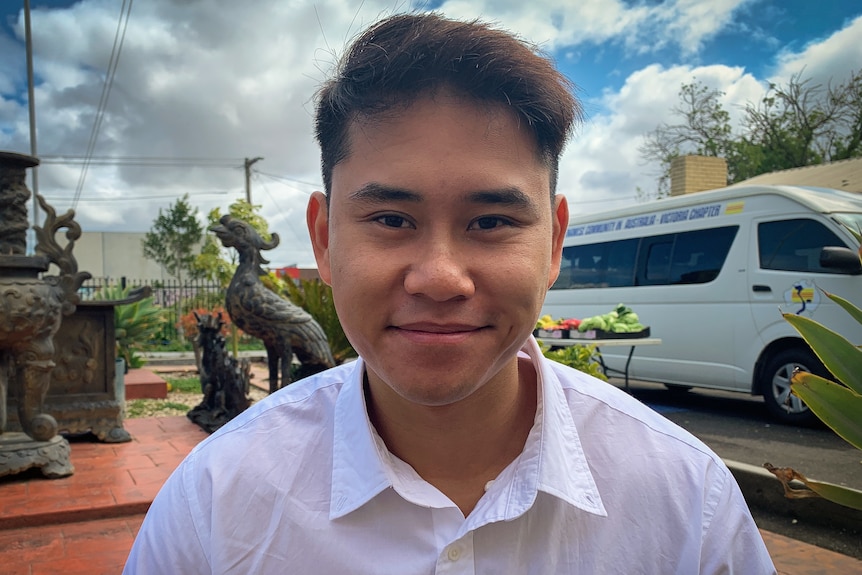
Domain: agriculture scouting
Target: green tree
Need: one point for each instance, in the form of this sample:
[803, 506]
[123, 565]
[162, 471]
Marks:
[794, 125]
[215, 262]
[173, 239]
[801, 124]
[703, 129]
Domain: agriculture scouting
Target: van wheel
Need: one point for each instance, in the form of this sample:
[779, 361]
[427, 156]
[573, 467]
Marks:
[782, 404]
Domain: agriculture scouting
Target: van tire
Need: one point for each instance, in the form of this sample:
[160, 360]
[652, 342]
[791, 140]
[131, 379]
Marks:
[776, 375]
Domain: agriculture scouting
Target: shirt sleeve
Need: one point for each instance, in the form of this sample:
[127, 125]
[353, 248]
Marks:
[169, 540]
[732, 543]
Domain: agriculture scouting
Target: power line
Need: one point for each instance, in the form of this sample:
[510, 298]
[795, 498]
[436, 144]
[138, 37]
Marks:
[317, 185]
[144, 161]
[147, 198]
[278, 207]
[116, 49]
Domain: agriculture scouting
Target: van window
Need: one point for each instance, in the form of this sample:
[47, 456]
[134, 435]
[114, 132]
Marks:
[794, 245]
[606, 264]
[699, 255]
[682, 258]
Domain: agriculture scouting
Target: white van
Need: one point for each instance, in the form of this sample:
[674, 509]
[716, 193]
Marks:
[710, 273]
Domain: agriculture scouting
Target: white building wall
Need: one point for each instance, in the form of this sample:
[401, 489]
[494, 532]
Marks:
[116, 255]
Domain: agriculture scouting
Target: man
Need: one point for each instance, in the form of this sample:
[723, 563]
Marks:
[451, 445]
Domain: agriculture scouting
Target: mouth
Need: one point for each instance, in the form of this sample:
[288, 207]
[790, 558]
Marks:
[438, 333]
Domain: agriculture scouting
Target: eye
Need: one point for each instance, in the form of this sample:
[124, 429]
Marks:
[489, 222]
[393, 221]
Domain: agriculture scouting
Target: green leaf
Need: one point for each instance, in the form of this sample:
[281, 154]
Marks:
[840, 357]
[837, 406]
[851, 309]
[837, 493]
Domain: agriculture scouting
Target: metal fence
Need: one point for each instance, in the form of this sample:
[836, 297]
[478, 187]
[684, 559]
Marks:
[175, 298]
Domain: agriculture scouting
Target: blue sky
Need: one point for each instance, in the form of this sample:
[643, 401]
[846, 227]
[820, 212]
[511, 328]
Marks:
[222, 80]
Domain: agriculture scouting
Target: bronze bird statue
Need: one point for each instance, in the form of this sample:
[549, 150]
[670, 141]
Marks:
[285, 329]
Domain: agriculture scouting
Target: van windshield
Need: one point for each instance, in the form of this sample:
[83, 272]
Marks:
[852, 221]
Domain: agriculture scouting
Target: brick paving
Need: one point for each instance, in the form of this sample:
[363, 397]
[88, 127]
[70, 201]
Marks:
[84, 524]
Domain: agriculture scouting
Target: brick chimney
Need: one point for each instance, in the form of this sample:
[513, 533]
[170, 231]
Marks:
[690, 174]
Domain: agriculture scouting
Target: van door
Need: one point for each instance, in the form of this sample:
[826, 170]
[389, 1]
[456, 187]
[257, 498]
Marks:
[690, 295]
[786, 276]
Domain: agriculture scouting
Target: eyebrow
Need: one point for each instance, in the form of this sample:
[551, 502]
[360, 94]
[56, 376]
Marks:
[374, 193]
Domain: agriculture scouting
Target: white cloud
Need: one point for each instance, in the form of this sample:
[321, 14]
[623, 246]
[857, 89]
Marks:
[195, 80]
[831, 58]
[640, 27]
[602, 168]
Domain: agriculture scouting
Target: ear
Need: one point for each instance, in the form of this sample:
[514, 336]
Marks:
[560, 225]
[317, 219]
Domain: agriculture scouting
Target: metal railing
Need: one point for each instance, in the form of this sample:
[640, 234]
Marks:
[176, 298]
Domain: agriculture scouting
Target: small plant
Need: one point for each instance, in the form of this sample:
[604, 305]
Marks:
[580, 357]
[188, 323]
[135, 324]
[184, 384]
[837, 403]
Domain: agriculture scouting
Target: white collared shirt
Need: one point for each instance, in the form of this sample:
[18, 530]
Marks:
[302, 483]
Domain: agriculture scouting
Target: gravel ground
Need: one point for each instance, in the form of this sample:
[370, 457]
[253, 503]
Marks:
[176, 403]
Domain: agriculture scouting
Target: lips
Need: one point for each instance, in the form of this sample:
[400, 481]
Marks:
[435, 334]
[438, 328]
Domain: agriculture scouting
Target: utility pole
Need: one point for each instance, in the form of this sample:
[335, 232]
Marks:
[28, 39]
[248, 164]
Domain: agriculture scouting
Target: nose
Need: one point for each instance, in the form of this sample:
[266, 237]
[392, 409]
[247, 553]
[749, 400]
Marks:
[439, 271]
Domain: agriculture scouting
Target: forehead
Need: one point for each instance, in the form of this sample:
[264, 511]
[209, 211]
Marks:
[442, 102]
[440, 139]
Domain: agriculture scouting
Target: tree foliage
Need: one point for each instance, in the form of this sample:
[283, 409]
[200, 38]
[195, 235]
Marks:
[793, 125]
[215, 262]
[173, 239]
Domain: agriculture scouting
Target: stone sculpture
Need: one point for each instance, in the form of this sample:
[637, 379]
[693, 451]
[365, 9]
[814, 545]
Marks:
[286, 329]
[31, 311]
[224, 381]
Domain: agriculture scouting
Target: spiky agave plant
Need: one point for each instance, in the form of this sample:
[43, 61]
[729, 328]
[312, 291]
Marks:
[135, 323]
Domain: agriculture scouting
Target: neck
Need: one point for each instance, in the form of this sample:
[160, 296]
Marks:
[458, 448]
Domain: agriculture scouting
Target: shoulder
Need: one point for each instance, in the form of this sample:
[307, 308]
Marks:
[608, 417]
[638, 455]
[292, 413]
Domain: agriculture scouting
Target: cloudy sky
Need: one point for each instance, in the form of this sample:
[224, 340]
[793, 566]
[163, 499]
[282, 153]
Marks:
[200, 85]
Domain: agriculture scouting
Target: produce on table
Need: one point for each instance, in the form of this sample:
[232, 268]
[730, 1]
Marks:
[621, 320]
[547, 323]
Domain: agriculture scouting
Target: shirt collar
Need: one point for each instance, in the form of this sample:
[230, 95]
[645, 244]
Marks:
[553, 459]
[358, 473]
[563, 470]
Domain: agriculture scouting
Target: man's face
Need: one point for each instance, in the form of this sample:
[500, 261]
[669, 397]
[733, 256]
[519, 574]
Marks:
[440, 243]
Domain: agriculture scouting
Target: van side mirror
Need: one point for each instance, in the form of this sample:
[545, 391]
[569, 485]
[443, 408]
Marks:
[844, 260]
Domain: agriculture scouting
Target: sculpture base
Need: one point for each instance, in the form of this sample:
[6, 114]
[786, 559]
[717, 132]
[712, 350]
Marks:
[19, 452]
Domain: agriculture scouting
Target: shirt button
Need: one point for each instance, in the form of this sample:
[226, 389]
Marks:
[454, 553]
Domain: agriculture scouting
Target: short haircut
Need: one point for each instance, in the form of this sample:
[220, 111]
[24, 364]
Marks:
[405, 57]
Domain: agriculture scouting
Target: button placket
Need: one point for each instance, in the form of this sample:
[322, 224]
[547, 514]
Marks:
[457, 557]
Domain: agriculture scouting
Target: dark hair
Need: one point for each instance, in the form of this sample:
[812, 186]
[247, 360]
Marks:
[404, 57]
